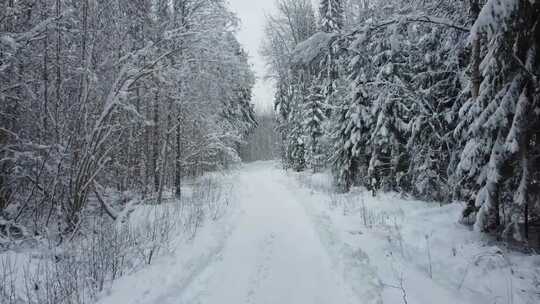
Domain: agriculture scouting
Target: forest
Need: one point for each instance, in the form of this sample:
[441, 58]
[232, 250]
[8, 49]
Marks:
[438, 100]
[400, 162]
[109, 94]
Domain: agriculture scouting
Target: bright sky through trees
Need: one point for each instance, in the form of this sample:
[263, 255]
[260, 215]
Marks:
[252, 17]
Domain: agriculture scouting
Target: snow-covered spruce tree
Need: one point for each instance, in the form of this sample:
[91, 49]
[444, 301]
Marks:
[296, 147]
[433, 84]
[297, 140]
[350, 139]
[238, 109]
[313, 116]
[293, 23]
[352, 125]
[389, 160]
[331, 19]
[289, 102]
[352, 120]
[282, 109]
[498, 126]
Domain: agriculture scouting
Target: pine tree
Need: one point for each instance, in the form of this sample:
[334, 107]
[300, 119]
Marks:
[433, 85]
[297, 139]
[391, 102]
[497, 126]
[293, 23]
[331, 21]
[282, 108]
[342, 159]
[313, 127]
[351, 137]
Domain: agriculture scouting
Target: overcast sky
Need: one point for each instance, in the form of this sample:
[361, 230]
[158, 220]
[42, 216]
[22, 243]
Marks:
[252, 15]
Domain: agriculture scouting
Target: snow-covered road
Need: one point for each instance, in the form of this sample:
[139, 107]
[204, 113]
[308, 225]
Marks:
[273, 255]
[268, 252]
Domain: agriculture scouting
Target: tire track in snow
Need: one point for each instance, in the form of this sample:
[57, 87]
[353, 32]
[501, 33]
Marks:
[274, 254]
[352, 263]
[262, 270]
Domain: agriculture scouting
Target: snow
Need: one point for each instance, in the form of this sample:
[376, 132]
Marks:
[269, 254]
[9, 41]
[423, 246]
[173, 272]
[491, 15]
[307, 51]
[288, 238]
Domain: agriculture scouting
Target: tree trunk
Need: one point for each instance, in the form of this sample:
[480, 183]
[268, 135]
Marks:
[4, 190]
[164, 156]
[45, 75]
[474, 11]
[178, 167]
[475, 68]
[155, 141]
[147, 158]
[58, 101]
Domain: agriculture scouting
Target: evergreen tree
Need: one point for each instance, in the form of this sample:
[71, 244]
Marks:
[313, 127]
[342, 159]
[391, 104]
[282, 108]
[433, 86]
[350, 138]
[331, 21]
[498, 125]
[290, 26]
[352, 122]
[297, 139]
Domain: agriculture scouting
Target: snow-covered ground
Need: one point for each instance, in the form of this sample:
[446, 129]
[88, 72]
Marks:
[288, 239]
[419, 251]
[265, 251]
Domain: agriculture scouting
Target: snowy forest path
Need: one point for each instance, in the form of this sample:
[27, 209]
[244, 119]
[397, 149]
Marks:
[273, 255]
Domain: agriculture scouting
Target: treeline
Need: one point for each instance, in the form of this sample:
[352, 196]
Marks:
[99, 96]
[436, 99]
[263, 142]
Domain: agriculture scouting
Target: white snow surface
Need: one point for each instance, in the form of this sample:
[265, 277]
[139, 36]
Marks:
[288, 240]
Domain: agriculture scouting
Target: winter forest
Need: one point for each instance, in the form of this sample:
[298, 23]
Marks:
[400, 162]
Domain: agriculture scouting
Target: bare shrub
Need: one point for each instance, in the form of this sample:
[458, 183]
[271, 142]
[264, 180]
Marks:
[77, 271]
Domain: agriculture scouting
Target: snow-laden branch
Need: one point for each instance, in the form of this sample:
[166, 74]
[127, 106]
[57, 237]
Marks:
[411, 19]
[13, 40]
[437, 21]
[307, 52]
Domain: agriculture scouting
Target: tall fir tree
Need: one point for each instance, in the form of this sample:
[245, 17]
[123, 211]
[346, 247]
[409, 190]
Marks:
[352, 123]
[313, 127]
[331, 21]
[297, 139]
[498, 122]
[350, 139]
